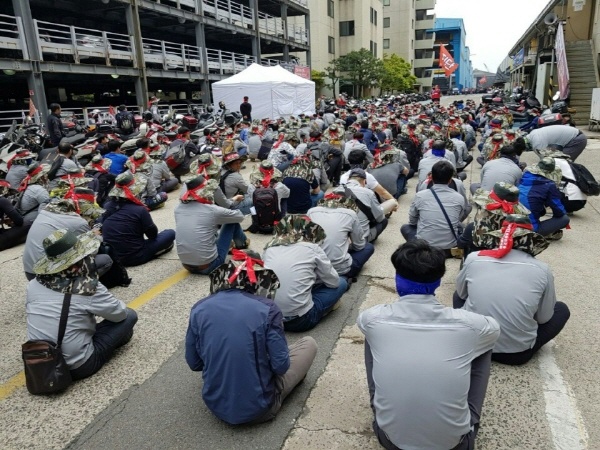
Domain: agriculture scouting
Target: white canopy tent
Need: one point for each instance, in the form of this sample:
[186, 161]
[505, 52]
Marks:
[273, 91]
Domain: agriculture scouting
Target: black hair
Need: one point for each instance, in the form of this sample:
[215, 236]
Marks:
[54, 107]
[358, 135]
[442, 172]
[508, 150]
[519, 145]
[113, 145]
[454, 133]
[64, 148]
[142, 143]
[438, 144]
[364, 124]
[418, 261]
[356, 157]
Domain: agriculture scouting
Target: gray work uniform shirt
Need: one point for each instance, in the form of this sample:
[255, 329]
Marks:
[355, 144]
[460, 188]
[427, 163]
[422, 352]
[43, 315]
[497, 170]
[387, 176]
[67, 166]
[234, 184]
[299, 267]
[46, 223]
[517, 291]
[342, 228]
[540, 138]
[196, 230]
[426, 214]
[34, 198]
[461, 152]
[160, 172]
[15, 175]
[368, 198]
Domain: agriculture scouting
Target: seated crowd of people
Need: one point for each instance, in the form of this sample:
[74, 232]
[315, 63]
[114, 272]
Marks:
[324, 187]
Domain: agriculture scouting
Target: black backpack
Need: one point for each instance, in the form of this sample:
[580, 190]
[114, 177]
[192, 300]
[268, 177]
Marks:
[266, 204]
[127, 123]
[117, 274]
[584, 179]
[56, 164]
[265, 148]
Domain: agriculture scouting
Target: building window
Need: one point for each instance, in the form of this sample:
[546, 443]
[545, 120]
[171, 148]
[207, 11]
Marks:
[347, 28]
[386, 2]
[373, 48]
[386, 22]
[373, 16]
[386, 43]
[331, 45]
[330, 8]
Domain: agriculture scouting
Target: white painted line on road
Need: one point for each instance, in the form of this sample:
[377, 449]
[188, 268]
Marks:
[564, 419]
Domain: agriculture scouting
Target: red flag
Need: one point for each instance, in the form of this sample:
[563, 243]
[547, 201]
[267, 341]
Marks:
[32, 109]
[483, 80]
[447, 62]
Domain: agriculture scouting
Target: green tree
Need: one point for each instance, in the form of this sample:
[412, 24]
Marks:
[359, 68]
[318, 78]
[334, 77]
[397, 74]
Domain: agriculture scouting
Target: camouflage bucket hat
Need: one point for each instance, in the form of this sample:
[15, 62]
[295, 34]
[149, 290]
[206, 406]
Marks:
[85, 203]
[546, 167]
[246, 272]
[300, 168]
[524, 239]
[98, 164]
[156, 151]
[552, 153]
[295, 228]
[73, 177]
[260, 171]
[37, 171]
[504, 191]
[206, 165]
[127, 181]
[201, 190]
[233, 156]
[333, 200]
[63, 249]
[139, 162]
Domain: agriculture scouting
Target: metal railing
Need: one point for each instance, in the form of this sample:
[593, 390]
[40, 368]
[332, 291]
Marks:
[172, 56]
[12, 35]
[223, 62]
[229, 11]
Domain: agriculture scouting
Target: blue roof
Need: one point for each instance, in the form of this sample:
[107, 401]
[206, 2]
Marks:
[448, 24]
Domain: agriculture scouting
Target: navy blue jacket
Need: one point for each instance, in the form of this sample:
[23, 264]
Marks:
[369, 139]
[236, 339]
[537, 193]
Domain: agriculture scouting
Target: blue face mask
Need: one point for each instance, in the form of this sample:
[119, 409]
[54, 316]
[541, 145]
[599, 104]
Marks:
[408, 287]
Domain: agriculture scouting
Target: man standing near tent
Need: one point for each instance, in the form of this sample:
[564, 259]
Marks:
[246, 110]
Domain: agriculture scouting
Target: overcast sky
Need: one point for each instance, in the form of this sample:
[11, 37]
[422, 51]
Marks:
[492, 27]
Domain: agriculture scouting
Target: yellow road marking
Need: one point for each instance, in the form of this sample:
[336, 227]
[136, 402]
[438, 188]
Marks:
[18, 381]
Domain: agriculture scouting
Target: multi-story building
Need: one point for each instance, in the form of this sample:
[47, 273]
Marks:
[100, 52]
[407, 32]
[451, 34]
[338, 27]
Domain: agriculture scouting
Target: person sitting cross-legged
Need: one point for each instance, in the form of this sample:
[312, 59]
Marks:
[526, 307]
[427, 365]
[235, 337]
[310, 286]
[67, 266]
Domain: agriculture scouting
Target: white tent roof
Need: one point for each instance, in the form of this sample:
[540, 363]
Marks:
[274, 92]
[255, 73]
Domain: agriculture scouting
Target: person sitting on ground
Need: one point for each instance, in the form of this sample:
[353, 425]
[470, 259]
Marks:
[235, 337]
[67, 266]
[391, 169]
[357, 160]
[310, 286]
[78, 214]
[33, 195]
[140, 165]
[304, 188]
[426, 217]
[461, 152]
[526, 308]
[282, 152]
[371, 214]
[160, 176]
[538, 190]
[232, 182]
[17, 167]
[65, 162]
[99, 170]
[571, 196]
[201, 247]
[427, 365]
[127, 220]
[345, 244]
[13, 229]
[504, 169]
[116, 155]
[438, 153]
[491, 209]
[356, 144]
[267, 176]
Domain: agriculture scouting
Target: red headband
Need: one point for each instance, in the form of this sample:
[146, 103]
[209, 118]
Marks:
[507, 207]
[248, 264]
[192, 193]
[26, 180]
[506, 241]
[99, 167]
[129, 195]
[267, 175]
